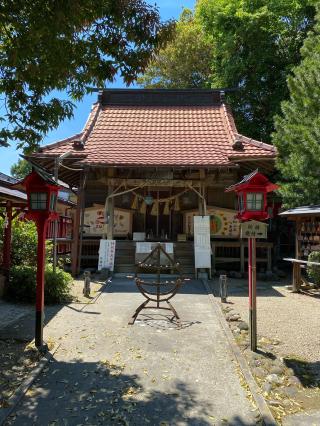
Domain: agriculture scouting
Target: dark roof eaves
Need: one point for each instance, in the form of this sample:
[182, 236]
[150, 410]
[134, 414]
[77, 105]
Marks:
[146, 166]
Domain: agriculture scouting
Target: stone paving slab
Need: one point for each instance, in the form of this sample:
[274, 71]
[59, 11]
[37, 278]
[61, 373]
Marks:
[18, 321]
[107, 372]
[11, 313]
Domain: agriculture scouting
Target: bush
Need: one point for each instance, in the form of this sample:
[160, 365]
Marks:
[57, 285]
[314, 270]
[24, 242]
[22, 284]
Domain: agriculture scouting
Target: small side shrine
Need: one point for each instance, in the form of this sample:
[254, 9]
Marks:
[307, 239]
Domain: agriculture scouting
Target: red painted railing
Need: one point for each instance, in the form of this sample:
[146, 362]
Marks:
[64, 232]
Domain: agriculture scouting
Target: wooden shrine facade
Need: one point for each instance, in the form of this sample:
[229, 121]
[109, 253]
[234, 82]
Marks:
[148, 161]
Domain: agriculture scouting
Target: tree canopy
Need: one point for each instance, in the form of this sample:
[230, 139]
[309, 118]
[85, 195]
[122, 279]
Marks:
[67, 45]
[185, 62]
[297, 134]
[256, 45]
[247, 45]
[20, 169]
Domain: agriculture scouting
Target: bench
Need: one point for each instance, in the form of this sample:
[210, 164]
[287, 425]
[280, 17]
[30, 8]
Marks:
[296, 273]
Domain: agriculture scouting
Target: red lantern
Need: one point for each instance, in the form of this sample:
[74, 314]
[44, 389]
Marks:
[42, 193]
[252, 196]
[252, 205]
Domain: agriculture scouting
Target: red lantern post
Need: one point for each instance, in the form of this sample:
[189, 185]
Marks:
[252, 207]
[42, 194]
[7, 239]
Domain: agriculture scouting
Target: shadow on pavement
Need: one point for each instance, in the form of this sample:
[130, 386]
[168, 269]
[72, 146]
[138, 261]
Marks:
[100, 394]
[160, 321]
[239, 288]
[22, 329]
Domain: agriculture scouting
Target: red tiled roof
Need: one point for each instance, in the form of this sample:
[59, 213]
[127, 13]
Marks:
[160, 135]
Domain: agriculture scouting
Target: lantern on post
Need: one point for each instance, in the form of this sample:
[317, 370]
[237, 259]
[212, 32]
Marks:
[252, 196]
[42, 194]
[252, 193]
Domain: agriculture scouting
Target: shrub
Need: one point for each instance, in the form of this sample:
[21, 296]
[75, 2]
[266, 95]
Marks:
[57, 285]
[24, 242]
[314, 270]
[22, 284]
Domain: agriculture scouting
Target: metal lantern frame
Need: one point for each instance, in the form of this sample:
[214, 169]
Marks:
[252, 193]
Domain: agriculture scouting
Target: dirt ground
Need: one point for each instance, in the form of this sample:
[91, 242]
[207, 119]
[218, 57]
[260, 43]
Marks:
[291, 318]
[288, 344]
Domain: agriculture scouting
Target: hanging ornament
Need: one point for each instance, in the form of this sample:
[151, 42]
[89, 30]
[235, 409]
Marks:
[155, 209]
[134, 204]
[176, 207]
[166, 210]
[143, 208]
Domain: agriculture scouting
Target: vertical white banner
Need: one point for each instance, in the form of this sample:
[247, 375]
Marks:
[202, 246]
[107, 251]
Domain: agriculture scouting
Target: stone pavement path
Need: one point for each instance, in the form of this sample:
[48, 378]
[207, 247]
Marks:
[108, 373]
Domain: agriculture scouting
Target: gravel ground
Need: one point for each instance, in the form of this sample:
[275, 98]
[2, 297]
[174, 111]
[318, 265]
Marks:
[290, 317]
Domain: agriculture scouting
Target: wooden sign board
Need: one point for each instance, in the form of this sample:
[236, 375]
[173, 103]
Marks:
[94, 221]
[202, 246]
[223, 222]
[107, 251]
[254, 229]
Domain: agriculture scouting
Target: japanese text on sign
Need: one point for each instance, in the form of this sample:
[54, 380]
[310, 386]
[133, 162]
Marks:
[254, 229]
[107, 252]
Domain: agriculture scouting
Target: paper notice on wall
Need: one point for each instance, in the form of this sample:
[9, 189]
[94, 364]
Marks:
[143, 247]
[107, 251]
[202, 246]
[168, 248]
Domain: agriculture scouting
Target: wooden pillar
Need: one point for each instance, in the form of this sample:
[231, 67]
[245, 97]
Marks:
[7, 239]
[202, 201]
[110, 208]
[296, 269]
[76, 232]
[241, 256]
[213, 249]
[269, 259]
[81, 227]
[296, 277]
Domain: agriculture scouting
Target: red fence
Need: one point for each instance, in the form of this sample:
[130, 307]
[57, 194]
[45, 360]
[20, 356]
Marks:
[64, 233]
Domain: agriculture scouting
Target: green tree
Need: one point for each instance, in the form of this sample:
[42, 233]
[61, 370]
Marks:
[186, 60]
[256, 45]
[297, 134]
[67, 45]
[20, 169]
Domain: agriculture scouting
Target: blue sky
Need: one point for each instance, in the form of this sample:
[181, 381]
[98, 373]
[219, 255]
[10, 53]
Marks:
[168, 9]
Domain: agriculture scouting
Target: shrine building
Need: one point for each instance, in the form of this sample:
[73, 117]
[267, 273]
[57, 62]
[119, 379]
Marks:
[146, 163]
